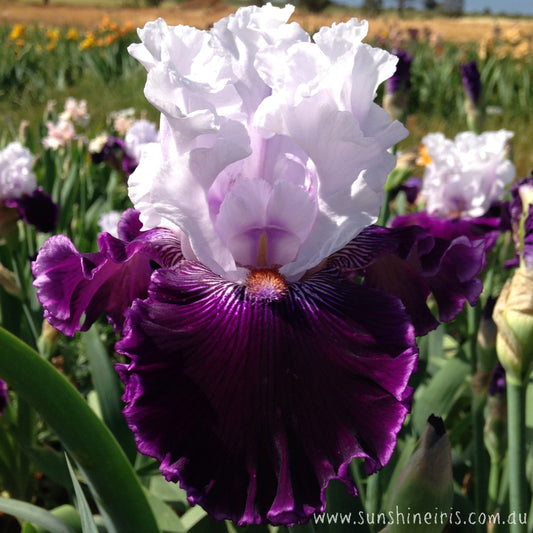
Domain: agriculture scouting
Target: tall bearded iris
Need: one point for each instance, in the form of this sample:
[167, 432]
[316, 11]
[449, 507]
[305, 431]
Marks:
[270, 327]
[463, 185]
[19, 191]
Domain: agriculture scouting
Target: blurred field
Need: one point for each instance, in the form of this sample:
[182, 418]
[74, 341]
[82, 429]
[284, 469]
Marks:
[202, 13]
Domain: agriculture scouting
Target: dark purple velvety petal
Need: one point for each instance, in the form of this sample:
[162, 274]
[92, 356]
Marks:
[71, 285]
[3, 396]
[255, 404]
[37, 209]
[487, 227]
[412, 264]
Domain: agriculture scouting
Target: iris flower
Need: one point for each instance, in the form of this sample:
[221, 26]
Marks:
[463, 185]
[124, 154]
[268, 325]
[19, 193]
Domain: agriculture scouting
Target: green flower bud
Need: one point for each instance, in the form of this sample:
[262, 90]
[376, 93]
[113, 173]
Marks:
[513, 315]
[424, 492]
[9, 217]
[495, 432]
[8, 281]
[48, 340]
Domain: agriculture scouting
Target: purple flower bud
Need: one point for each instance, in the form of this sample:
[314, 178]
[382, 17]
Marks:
[471, 81]
[401, 79]
[497, 383]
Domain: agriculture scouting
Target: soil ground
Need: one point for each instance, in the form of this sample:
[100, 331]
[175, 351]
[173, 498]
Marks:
[202, 13]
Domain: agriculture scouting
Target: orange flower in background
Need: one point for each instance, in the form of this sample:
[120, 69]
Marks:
[72, 35]
[52, 34]
[128, 27]
[88, 42]
[513, 35]
[18, 32]
[522, 50]
[423, 158]
[106, 22]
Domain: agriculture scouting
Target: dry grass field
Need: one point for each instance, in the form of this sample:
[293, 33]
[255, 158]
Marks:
[201, 13]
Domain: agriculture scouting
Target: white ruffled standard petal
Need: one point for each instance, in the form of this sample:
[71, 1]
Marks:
[273, 152]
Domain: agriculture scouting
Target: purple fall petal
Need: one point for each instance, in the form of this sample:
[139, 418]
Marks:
[37, 209]
[487, 227]
[411, 264]
[254, 404]
[70, 284]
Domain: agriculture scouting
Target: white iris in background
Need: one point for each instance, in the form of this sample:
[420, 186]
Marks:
[466, 175]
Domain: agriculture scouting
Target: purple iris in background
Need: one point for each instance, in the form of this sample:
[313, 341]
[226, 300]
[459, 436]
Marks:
[19, 191]
[395, 99]
[401, 79]
[471, 79]
[124, 154]
[463, 186]
[270, 326]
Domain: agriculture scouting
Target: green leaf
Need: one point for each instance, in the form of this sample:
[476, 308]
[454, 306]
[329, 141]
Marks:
[50, 463]
[167, 520]
[104, 465]
[86, 517]
[35, 515]
[107, 386]
[193, 516]
[441, 392]
[168, 492]
[67, 513]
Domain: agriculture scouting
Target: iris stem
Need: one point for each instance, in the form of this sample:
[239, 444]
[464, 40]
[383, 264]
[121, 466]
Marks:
[495, 475]
[478, 422]
[384, 214]
[516, 416]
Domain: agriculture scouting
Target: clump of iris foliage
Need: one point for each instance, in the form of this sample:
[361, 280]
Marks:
[68, 460]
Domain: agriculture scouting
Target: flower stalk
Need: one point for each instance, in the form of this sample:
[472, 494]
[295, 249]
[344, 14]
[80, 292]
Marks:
[516, 417]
